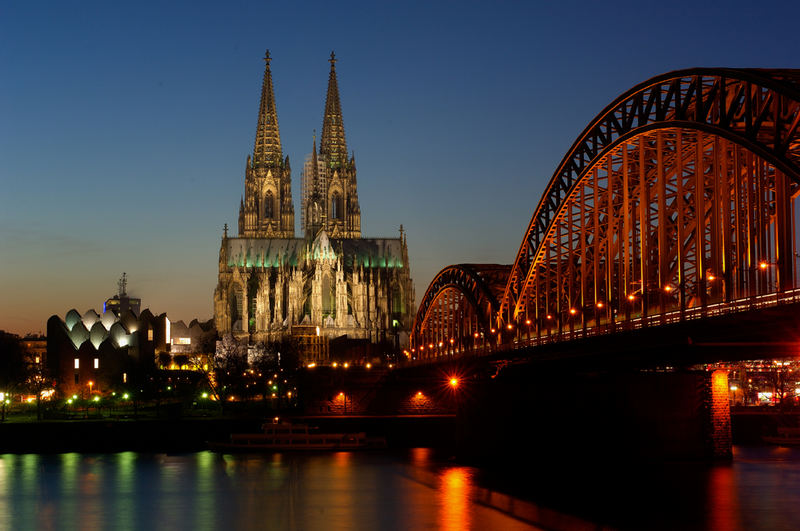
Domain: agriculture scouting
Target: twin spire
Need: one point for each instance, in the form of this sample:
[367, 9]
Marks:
[332, 142]
[267, 150]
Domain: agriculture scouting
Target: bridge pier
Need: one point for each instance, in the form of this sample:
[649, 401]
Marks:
[527, 416]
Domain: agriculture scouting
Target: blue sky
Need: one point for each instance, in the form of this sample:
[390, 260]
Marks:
[124, 127]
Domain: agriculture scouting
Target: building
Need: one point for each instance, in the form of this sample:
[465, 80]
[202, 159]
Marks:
[121, 302]
[331, 281]
[97, 352]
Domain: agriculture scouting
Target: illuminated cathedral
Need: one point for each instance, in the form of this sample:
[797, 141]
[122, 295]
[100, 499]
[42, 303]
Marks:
[331, 282]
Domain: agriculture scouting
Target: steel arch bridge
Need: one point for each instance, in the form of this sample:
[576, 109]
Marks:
[676, 200]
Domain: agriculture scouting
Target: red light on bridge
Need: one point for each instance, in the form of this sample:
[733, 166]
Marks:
[600, 304]
[476, 335]
[667, 288]
[631, 297]
[573, 311]
[430, 346]
[493, 330]
[549, 316]
[762, 265]
[527, 321]
[452, 340]
[509, 326]
[710, 277]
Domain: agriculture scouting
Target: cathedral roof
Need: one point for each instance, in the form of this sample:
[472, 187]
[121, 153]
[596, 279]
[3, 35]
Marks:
[321, 248]
[274, 252]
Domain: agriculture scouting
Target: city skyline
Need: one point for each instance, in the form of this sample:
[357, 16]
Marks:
[127, 130]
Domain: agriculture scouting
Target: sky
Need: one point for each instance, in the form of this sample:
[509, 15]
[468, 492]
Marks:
[125, 126]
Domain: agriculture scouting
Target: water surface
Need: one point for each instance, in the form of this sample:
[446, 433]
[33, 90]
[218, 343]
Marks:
[386, 491]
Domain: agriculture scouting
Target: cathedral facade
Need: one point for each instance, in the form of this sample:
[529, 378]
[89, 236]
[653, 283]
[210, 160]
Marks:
[328, 283]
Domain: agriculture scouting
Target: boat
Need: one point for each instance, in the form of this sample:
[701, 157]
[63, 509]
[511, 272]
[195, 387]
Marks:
[785, 437]
[287, 437]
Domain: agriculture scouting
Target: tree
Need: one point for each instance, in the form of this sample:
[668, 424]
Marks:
[37, 381]
[13, 369]
[224, 372]
[264, 362]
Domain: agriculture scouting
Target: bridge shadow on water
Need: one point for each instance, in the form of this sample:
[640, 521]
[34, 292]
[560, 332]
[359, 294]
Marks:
[757, 490]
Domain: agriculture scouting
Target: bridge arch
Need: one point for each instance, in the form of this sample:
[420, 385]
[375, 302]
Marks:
[678, 197]
[721, 142]
[456, 311]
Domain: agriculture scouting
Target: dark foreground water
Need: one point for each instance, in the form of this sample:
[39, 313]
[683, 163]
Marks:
[384, 491]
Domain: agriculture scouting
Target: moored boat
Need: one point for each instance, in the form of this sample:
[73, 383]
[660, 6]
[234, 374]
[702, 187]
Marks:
[785, 437]
[286, 436]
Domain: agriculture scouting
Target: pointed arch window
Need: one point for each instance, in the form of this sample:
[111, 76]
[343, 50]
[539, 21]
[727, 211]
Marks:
[269, 206]
[336, 206]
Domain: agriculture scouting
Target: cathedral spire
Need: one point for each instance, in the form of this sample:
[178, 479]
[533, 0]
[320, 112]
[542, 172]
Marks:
[332, 142]
[267, 150]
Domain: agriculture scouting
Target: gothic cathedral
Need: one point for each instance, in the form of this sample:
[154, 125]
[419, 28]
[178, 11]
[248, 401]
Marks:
[327, 284]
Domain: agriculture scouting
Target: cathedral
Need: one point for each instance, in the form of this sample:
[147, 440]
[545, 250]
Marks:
[331, 283]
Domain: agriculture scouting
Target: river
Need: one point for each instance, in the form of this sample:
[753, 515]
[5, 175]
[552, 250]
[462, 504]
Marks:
[413, 489]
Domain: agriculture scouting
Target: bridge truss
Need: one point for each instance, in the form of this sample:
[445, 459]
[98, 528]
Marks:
[680, 195]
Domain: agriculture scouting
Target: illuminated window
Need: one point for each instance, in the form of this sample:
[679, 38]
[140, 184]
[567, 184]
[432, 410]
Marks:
[77, 363]
[184, 340]
[150, 334]
[97, 363]
[36, 359]
[124, 377]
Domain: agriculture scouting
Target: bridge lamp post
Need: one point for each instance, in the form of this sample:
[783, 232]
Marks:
[598, 310]
[734, 388]
[528, 325]
[629, 307]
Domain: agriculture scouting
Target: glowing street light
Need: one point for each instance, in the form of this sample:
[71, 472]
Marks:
[454, 382]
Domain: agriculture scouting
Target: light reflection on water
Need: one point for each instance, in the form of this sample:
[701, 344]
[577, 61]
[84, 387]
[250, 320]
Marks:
[205, 491]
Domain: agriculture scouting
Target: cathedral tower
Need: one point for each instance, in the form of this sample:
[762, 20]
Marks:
[330, 195]
[328, 284]
[266, 210]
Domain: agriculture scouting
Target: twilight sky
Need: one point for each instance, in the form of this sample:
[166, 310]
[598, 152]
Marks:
[124, 126]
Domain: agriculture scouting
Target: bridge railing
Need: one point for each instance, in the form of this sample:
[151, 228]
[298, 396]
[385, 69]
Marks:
[448, 352]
